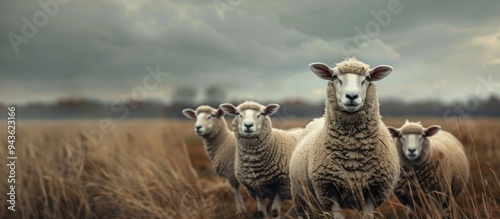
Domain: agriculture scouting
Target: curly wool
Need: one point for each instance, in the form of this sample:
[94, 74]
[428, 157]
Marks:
[412, 128]
[424, 178]
[348, 155]
[205, 109]
[262, 162]
[220, 146]
[352, 65]
[441, 170]
[362, 150]
[250, 105]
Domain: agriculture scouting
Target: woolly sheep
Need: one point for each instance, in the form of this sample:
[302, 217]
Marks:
[220, 145]
[262, 154]
[346, 159]
[434, 165]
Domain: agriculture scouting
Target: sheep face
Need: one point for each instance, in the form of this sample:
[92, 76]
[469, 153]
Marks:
[350, 87]
[351, 91]
[205, 119]
[412, 142]
[411, 145]
[249, 120]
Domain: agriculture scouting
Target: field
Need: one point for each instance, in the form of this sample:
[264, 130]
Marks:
[158, 169]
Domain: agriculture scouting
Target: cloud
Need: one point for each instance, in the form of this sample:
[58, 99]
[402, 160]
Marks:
[259, 50]
[490, 45]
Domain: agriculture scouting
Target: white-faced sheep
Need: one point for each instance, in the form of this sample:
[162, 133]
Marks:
[435, 168]
[220, 145]
[262, 154]
[346, 159]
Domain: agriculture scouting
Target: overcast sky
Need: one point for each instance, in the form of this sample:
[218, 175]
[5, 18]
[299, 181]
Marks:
[253, 49]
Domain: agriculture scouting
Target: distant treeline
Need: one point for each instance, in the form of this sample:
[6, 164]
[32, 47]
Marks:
[88, 109]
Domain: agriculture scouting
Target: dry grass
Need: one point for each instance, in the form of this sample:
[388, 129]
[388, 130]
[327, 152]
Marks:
[158, 169]
[481, 139]
[141, 170]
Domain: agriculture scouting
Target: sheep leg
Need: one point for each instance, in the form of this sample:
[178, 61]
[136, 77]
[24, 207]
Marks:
[337, 211]
[298, 208]
[240, 206]
[445, 206]
[369, 207]
[261, 206]
[275, 209]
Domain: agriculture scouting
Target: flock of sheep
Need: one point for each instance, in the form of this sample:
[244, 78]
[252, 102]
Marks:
[347, 159]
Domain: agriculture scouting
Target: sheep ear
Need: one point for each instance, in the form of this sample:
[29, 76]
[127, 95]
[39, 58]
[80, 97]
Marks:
[189, 113]
[394, 132]
[271, 109]
[229, 109]
[220, 112]
[321, 70]
[380, 72]
[432, 130]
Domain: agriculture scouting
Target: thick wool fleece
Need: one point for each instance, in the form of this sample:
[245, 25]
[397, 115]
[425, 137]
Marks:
[250, 105]
[347, 155]
[205, 109]
[262, 162]
[220, 146]
[352, 65]
[441, 170]
[412, 128]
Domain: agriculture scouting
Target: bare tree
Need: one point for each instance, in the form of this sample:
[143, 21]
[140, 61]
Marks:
[184, 96]
[215, 95]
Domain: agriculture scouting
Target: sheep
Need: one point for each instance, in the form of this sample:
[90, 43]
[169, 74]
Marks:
[220, 145]
[434, 165]
[345, 159]
[262, 154]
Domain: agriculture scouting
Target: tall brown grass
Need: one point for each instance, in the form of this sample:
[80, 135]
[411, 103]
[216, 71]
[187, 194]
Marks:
[158, 169]
[481, 140]
[140, 170]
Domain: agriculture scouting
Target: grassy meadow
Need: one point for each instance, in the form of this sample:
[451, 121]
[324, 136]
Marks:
[158, 169]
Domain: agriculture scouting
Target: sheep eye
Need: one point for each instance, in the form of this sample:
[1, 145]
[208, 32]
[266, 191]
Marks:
[209, 117]
[261, 114]
[336, 78]
[364, 81]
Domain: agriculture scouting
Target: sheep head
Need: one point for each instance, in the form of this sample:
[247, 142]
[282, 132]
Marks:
[249, 117]
[206, 119]
[412, 139]
[350, 79]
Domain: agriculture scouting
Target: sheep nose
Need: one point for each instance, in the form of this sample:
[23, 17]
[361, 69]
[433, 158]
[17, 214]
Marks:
[247, 125]
[412, 150]
[198, 127]
[351, 96]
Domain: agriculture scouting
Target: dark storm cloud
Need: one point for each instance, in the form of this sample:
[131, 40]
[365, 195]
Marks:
[101, 49]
